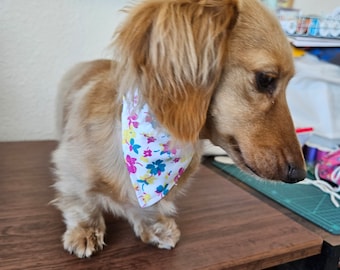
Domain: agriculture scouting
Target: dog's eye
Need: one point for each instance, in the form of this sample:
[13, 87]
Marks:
[265, 82]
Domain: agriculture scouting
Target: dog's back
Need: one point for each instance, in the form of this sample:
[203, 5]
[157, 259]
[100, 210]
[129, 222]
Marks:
[74, 81]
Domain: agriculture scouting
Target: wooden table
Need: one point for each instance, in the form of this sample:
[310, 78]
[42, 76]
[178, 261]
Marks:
[222, 225]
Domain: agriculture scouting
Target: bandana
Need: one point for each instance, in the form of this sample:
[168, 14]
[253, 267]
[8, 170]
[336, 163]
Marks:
[154, 163]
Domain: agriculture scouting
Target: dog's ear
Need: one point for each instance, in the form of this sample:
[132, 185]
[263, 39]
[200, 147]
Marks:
[174, 52]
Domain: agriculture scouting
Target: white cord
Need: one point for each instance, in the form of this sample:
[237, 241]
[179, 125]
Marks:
[324, 186]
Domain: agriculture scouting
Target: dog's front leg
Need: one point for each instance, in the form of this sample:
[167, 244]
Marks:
[163, 233]
[83, 238]
[85, 228]
[154, 227]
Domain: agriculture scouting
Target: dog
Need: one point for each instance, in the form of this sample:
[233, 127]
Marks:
[183, 70]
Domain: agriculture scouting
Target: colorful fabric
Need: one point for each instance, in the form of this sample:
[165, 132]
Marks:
[329, 167]
[155, 165]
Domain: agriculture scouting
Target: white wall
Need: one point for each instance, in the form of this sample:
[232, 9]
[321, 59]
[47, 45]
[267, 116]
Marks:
[40, 40]
[318, 7]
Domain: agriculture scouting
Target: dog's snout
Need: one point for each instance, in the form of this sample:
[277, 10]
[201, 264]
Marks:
[295, 174]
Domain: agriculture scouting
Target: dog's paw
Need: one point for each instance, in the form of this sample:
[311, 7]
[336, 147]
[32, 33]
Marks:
[163, 234]
[83, 242]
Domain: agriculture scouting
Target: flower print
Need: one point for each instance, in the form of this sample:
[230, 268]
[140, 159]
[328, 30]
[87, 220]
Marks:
[145, 197]
[177, 159]
[132, 120]
[135, 187]
[143, 182]
[147, 153]
[134, 147]
[144, 159]
[146, 179]
[166, 149]
[179, 174]
[128, 134]
[157, 167]
[130, 163]
[162, 190]
[151, 139]
[154, 163]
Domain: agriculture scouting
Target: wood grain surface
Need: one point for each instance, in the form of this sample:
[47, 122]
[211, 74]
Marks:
[223, 226]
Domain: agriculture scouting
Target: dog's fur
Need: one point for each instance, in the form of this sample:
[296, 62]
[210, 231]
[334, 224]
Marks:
[198, 65]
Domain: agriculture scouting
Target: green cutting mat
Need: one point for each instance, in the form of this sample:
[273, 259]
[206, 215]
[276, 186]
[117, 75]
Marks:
[305, 200]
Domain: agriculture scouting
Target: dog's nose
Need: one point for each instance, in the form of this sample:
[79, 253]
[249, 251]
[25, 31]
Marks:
[295, 174]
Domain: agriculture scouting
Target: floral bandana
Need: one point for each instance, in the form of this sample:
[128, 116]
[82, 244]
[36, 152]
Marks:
[154, 164]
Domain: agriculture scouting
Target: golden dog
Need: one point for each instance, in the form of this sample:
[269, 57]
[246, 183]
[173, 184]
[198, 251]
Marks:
[214, 69]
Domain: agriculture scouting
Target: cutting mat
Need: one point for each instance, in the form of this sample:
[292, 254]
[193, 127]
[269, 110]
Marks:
[307, 201]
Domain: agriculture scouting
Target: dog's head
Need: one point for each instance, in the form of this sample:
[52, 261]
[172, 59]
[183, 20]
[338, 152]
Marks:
[215, 68]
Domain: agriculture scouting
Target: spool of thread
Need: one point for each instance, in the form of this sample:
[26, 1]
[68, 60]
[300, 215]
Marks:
[302, 25]
[335, 28]
[310, 153]
[290, 27]
[313, 28]
[321, 153]
[324, 30]
[313, 154]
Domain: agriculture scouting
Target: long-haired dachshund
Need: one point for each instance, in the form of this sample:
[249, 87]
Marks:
[184, 70]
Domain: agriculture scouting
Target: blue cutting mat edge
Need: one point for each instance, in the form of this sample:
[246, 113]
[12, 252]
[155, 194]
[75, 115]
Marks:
[318, 219]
